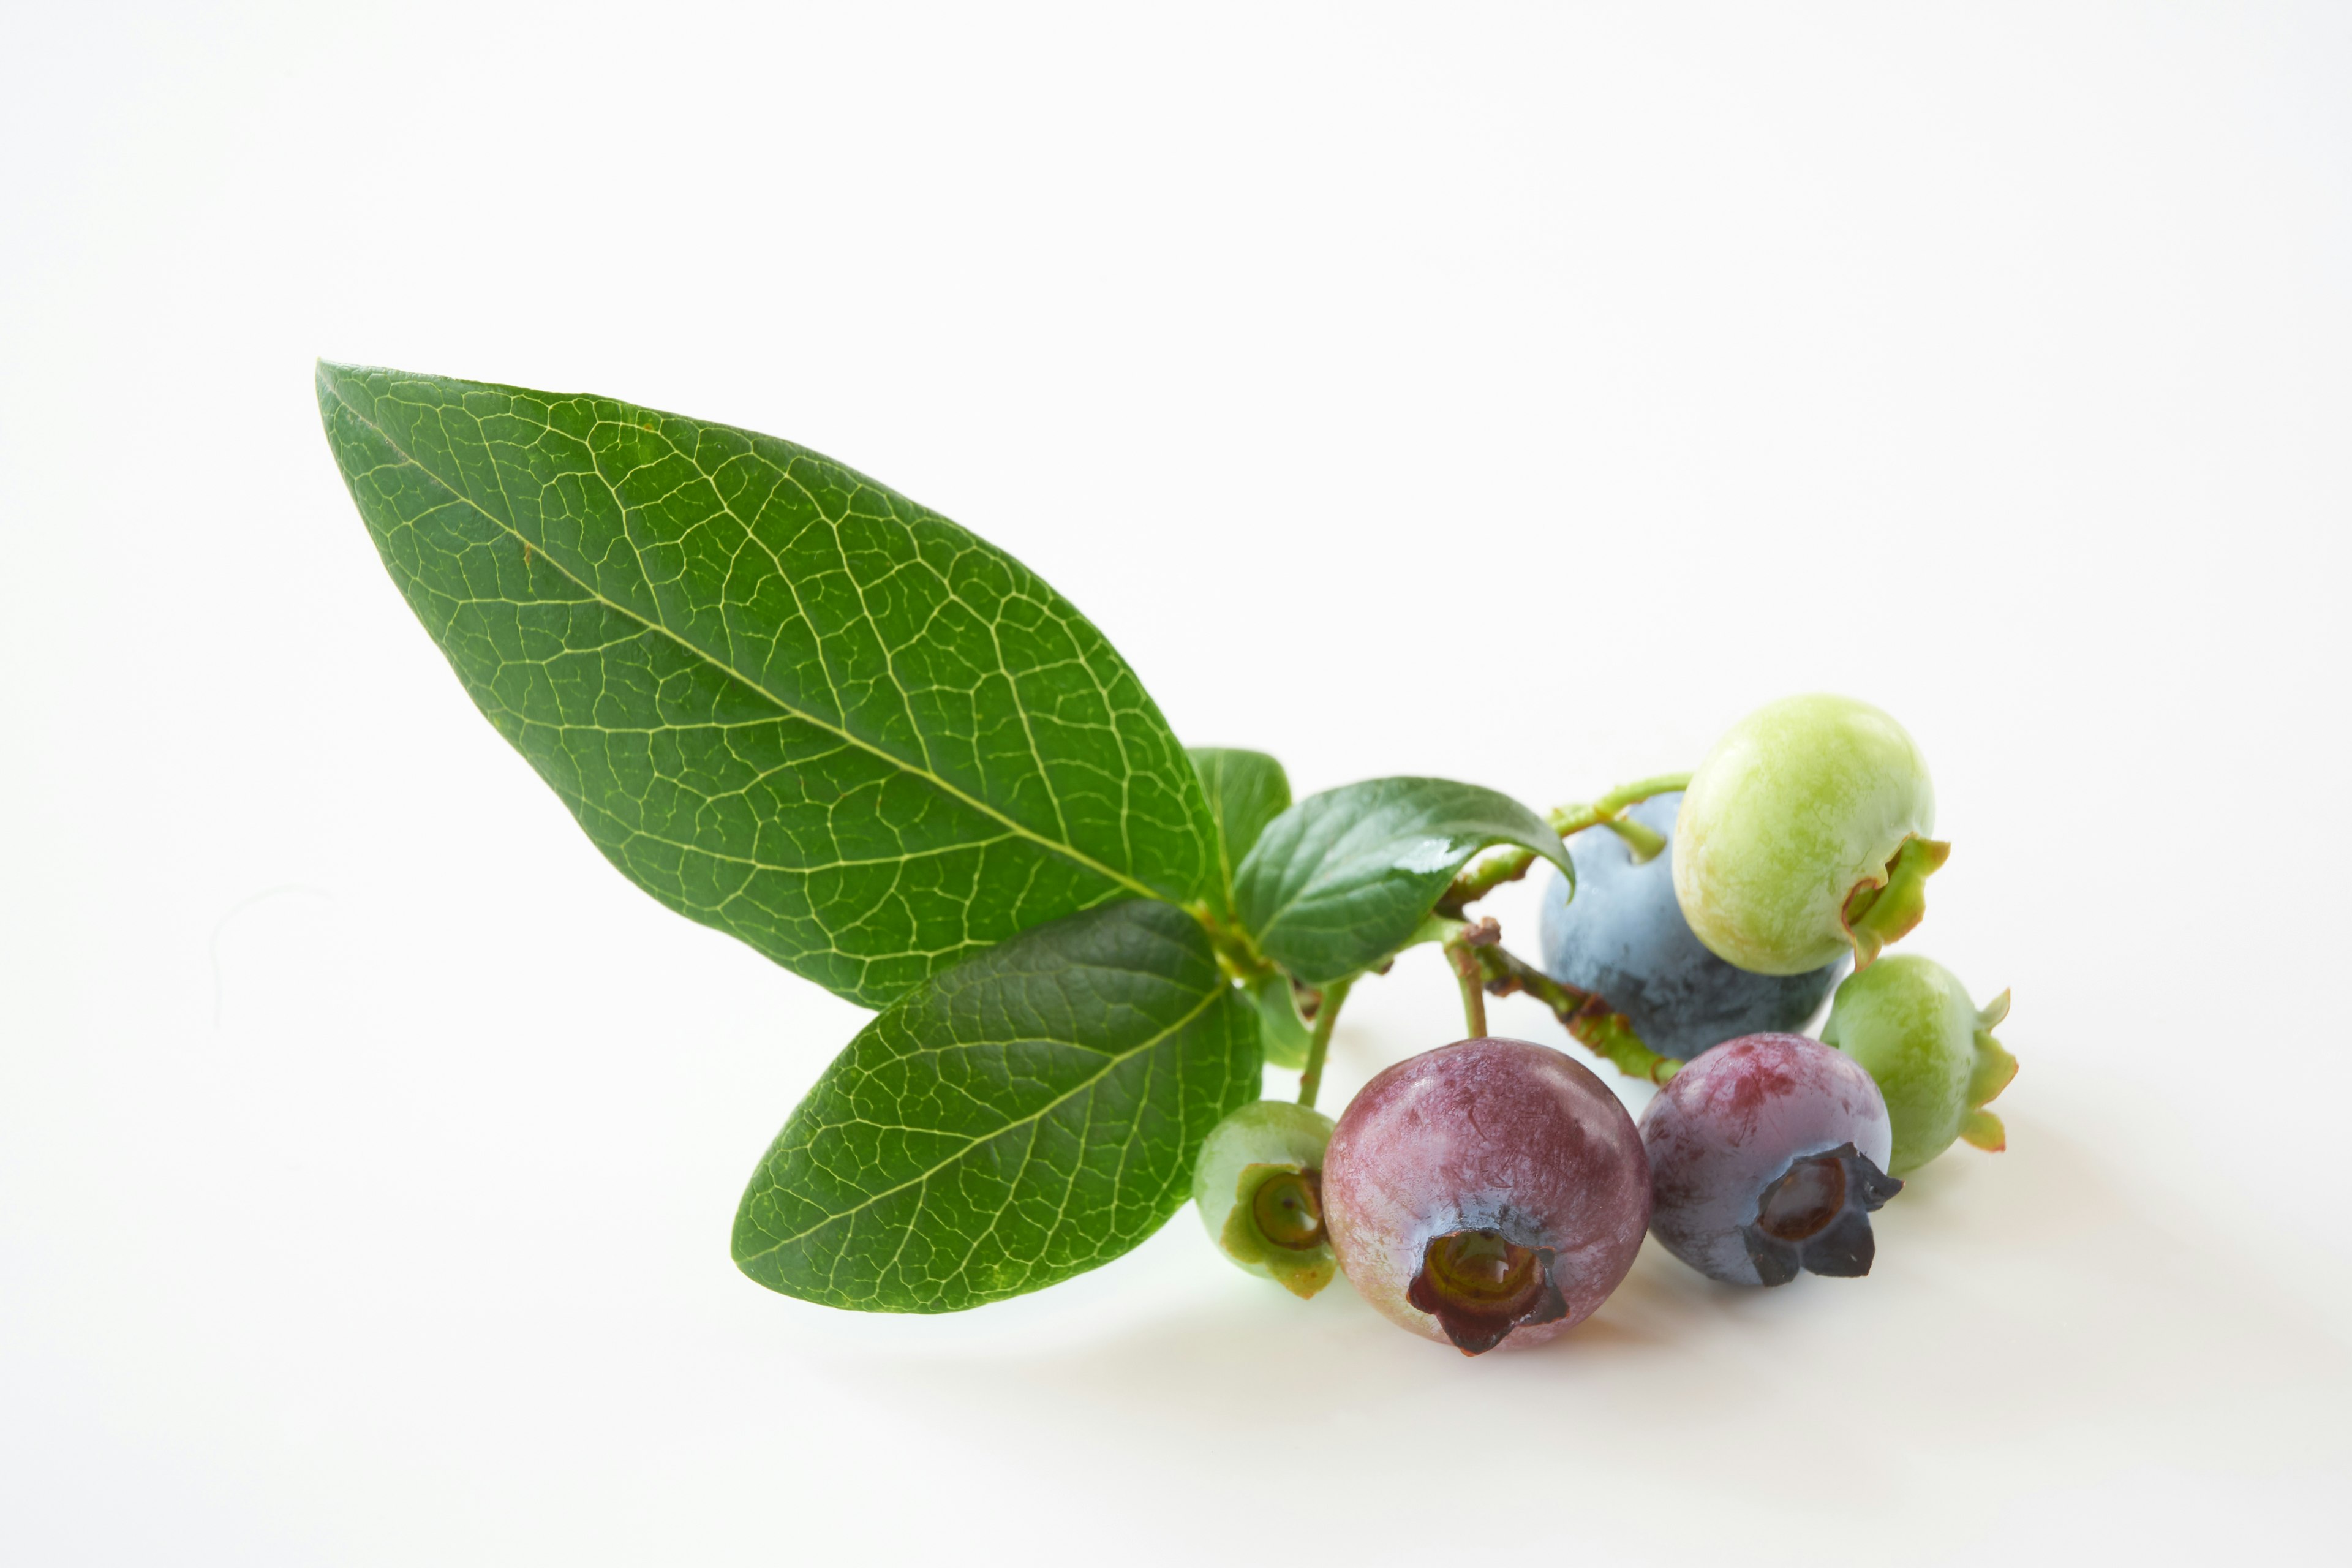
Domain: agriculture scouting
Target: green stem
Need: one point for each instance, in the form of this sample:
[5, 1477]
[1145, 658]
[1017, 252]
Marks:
[1608, 810]
[1471, 975]
[1646, 842]
[1483, 877]
[1605, 1034]
[1237, 955]
[1335, 995]
[1640, 790]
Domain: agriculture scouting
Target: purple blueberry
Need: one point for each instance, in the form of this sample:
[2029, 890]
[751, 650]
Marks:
[1490, 1191]
[1767, 1156]
[1623, 936]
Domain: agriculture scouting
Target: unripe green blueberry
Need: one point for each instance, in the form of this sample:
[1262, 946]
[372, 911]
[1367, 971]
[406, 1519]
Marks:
[1258, 1186]
[1909, 1023]
[1791, 826]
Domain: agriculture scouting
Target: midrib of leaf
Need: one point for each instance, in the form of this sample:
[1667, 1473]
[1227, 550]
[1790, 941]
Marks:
[1067, 851]
[1109, 1065]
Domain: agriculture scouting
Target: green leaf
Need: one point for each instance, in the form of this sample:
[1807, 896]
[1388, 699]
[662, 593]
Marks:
[784, 701]
[1246, 790]
[1024, 1117]
[1341, 881]
[1283, 1035]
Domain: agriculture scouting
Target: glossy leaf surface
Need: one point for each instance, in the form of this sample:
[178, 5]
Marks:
[1024, 1117]
[1246, 790]
[783, 700]
[1342, 879]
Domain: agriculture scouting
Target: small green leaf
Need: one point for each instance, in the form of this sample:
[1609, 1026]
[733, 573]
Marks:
[1341, 881]
[1285, 1034]
[784, 701]
[1246, 790]
[1031, 1113]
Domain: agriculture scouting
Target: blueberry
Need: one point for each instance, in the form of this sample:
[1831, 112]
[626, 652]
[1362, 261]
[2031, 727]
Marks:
[1624, 937]
[1909, 1023]
[1258, 1188]
[1767, 1156]
[1487, 1192]
[1790, 835]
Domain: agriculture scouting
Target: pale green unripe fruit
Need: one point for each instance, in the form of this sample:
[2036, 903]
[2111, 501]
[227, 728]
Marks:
[1258, 1188]
[1910, 1024]
[1804, 800]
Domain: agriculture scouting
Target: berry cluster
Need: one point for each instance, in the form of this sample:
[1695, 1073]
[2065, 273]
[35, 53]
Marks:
[810, 712]
[1494, 1192]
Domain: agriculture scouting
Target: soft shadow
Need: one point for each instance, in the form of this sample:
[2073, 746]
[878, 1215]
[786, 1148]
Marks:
[2017, 1299]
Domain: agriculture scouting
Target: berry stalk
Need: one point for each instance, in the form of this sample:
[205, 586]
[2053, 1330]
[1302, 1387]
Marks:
[1608, 812]
[1461, 951]
[1483, 877]
[1335, 996]
[1605, 1034]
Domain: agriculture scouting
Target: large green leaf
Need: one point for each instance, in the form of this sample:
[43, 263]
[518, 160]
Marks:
[1024, 1117]
[1246, 790]
[783, 700]
[1342, 879]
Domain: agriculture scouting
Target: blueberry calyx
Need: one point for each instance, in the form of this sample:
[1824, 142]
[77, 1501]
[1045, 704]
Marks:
[1994, 1068]
[1816, 1216]
[1277, 1221]
[1288, 1209]
[1881, 911]
[1480, 1285]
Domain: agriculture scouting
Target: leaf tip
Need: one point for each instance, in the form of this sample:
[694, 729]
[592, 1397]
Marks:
[330, 379]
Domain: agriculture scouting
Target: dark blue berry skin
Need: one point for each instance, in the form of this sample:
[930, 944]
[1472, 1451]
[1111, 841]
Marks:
[1624, 937]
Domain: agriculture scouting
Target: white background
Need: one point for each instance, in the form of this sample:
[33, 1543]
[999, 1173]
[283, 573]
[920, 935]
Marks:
[1516, 393]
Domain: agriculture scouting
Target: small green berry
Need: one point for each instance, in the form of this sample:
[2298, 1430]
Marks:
[1805, 832]
[1259, 1189]
[1909, 1023]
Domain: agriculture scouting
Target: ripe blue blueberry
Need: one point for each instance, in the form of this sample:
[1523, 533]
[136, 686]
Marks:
[1767, 1156]
[1623, 936]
